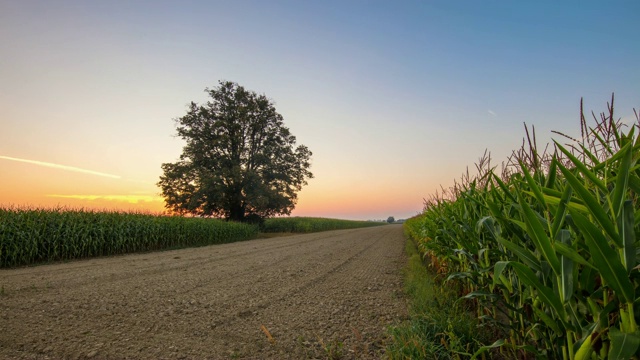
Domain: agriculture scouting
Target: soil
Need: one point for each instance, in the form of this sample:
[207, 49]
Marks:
[315, 296]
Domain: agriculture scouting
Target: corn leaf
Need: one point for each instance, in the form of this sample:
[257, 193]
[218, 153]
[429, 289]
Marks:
[558, 218]
[571, 205]
[634, 182]
[605, 259]
[622, 180]
[552, 324]
[525, 255]
[539, 237]
[526, 275]
[553, 173]
[498, 268]
[626, 229]
[582, 168]
[571, 253]
[566, 276]
[486, 348]
[533, 186]
[504, 188]
[594, 207]
[623, 346]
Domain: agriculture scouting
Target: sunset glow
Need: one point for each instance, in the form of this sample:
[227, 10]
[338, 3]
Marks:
[394, 99]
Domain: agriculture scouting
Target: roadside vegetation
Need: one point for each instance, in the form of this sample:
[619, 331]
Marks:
[308, 224]
[543, 252]
[440, 327]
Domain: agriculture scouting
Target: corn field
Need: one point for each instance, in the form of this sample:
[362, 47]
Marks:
[547, 246]
[29, 236]
[308, 224]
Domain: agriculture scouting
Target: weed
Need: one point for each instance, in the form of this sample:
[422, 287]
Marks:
[333, 350]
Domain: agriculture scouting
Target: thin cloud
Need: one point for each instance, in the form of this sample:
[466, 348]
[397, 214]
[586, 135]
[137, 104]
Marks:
[61, 167]
[491, 112]
[131, 199]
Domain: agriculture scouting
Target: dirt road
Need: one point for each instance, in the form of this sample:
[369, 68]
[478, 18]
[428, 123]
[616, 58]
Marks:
[322, 295]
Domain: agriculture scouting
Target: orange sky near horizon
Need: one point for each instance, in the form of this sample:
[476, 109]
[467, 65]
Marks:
[38, 184]
[394, 99]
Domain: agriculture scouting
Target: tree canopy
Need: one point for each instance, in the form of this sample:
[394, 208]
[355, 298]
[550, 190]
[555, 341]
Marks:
[240, 162]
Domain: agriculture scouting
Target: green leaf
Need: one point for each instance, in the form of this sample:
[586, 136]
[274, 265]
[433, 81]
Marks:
[553, 172]
[582, 168]
[523, 254]
[487, 223]
[504, 188]
[569, 204]
[566, 277]
[533, 186]
[480, 294]
[634, 182]
[626, 229]
[623, 346]
[520, 224]
[622, 180]
[498, 268]
[539, 237]
[545, 293]
[552, 324]
[594, 207]
[558, 218]
[485, 348]
[605, 259]
[586, 345]
[571, 253]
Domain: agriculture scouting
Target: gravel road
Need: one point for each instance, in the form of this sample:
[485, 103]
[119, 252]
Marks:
[323, 295]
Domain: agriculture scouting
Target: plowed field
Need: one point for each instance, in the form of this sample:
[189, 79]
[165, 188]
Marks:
[322, 295]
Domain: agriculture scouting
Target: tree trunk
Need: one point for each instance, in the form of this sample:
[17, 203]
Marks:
[236, 212]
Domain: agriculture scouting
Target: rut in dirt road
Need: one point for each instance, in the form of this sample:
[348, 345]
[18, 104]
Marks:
[322, 295]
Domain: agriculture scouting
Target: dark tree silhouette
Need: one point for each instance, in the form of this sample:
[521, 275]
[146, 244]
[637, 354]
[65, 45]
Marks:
[240, 161]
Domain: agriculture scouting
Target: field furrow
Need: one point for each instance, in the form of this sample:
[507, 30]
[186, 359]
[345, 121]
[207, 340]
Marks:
[318, 295]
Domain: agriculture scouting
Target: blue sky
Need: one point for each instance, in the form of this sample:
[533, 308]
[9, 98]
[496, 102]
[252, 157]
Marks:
[394, 98]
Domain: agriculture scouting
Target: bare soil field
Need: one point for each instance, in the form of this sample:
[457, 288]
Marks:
[323, 295]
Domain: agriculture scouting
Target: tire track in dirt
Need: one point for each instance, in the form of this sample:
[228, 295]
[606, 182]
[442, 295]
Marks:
[319, 295]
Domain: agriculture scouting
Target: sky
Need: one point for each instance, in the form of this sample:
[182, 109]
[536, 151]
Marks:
[394, 98]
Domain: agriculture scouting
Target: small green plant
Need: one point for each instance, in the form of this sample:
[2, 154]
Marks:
[333, 350]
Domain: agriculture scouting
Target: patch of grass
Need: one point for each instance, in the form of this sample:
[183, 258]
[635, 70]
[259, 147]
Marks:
[309, 224]
[440, 327]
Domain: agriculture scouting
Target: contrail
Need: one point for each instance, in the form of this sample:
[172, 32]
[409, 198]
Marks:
[132, 199]
[62, 167]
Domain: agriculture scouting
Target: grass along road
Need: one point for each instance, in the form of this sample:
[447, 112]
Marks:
[328, 295]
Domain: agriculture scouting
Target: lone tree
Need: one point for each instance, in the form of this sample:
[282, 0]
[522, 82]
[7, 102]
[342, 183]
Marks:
[391, 219]
[240, 161]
